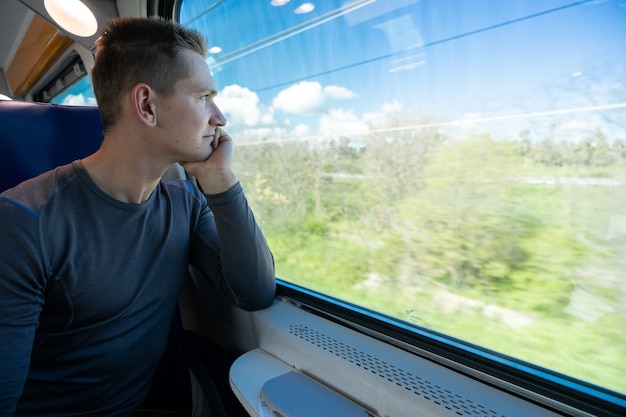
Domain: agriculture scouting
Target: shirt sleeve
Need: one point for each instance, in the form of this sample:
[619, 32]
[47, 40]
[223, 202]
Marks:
[229, 248]
[22, 285]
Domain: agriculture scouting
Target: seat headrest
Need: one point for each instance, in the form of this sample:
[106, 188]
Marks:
[37, 137]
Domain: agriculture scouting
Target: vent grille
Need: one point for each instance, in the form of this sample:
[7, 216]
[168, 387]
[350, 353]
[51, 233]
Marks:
[413, 383]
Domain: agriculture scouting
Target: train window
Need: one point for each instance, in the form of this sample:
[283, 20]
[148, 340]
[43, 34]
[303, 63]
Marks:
[459, 166]
[78, 94]
[72, 87]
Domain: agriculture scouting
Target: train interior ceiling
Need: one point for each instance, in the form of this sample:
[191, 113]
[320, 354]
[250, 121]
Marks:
[33, 49]
[307, 353]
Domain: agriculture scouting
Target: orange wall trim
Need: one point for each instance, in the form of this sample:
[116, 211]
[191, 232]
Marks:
[41, 46]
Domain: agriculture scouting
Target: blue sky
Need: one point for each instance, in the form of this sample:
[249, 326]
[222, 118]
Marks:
[455, 60]
[347, 66]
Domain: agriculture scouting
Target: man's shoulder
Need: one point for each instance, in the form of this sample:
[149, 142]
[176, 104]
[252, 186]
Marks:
[35, 193]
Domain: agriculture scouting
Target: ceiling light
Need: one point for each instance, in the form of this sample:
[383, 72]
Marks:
[279, 2]
[73, 16]
[215, 50]
[305, 8]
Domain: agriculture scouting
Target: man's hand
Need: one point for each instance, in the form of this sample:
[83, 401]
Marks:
[215, 173]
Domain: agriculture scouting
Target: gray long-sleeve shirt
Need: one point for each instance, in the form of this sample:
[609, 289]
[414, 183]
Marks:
[88, 285]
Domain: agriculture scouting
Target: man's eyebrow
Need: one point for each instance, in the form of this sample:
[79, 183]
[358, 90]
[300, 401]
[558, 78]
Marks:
[208, 91]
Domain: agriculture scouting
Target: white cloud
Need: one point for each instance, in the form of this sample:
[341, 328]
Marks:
[379, 117]
[337, 92]
[308, 97]
[301, 130]
[79, 100]
[393, 107]
[302, 98]
[242, 106]
[339, 122]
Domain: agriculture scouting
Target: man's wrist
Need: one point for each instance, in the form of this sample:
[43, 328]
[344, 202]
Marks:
[214, 183]
[224, 196]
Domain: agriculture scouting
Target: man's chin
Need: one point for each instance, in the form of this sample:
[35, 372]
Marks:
[196, 158]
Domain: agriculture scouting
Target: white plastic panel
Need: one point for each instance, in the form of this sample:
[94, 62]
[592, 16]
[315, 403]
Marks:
[382, 378]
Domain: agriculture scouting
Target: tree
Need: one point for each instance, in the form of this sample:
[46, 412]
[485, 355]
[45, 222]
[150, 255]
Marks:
[393, 162]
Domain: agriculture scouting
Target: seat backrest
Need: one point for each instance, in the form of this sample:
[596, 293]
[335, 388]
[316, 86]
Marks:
[37, 137]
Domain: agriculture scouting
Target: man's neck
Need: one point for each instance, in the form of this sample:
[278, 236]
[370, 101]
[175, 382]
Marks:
[122, 175]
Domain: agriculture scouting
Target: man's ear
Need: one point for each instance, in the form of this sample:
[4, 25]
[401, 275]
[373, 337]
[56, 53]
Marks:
[143, 101]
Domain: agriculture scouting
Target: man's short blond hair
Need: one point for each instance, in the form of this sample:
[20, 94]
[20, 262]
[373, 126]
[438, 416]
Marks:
[136, 50]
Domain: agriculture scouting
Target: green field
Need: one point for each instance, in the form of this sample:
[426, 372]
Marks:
[512, 245]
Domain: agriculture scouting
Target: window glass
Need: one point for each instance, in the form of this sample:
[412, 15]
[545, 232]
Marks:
[458, 165]
[78, 94]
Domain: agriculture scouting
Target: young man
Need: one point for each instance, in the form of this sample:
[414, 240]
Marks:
[93, 254]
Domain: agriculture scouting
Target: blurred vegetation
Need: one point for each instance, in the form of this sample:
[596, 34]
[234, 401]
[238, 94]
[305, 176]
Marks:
[515, 245]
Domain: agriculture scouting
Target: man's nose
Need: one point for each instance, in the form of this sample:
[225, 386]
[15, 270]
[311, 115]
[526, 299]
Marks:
[217, 117]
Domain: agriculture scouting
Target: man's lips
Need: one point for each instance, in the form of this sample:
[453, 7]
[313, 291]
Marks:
[211, 139]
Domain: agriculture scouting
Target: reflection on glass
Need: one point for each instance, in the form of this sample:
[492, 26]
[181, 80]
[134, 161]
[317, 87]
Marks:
[458, 165]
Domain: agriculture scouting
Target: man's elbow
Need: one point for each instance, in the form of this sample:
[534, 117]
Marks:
[262, 297]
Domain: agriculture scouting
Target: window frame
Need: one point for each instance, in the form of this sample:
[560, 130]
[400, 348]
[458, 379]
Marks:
[493, 368]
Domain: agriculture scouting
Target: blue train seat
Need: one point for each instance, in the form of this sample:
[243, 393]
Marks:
[36, 137]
